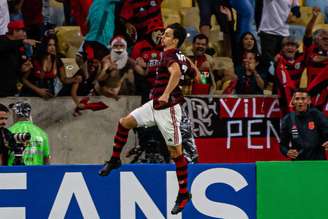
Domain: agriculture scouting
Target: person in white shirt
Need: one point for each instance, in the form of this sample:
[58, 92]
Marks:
[4, 17]
[274, 27]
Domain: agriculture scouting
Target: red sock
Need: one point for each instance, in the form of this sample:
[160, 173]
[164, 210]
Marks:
[182, 173]
[120, 140]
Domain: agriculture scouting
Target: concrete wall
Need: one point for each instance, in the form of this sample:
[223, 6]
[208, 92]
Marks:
[84, 139]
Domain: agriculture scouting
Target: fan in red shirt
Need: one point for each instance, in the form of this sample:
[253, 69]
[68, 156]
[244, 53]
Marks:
[290, 65]
[147, 54]
[317, 62]
[79, 10]
[138, 16]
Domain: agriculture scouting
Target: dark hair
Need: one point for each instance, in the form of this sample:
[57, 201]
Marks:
[3, 108]
[238, 57]
[301, 90]
[200, 37]
[41, 51]
[178, 33]
[256, 55]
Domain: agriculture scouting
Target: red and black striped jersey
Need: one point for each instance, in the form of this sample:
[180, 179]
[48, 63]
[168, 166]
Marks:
[163, 75]
[142, 14]
[151, 54]
[312, 51]
[294, 68]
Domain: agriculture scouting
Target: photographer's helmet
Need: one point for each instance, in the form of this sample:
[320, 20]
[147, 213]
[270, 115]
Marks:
[21, 109]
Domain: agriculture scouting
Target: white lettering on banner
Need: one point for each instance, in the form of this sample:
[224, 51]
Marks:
[217, 209]
[270, 128]
[255, 107]
[201, 123]
[232, 112]
[273, 108]
[13, 181]
[73, 183]
[230, 134]
[246, 107]
[251, 133]
[132, 193]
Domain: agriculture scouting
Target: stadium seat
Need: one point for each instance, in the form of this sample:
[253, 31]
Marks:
[70, 66]
[176, 5]
[170, 16]
[222, 63]
[190, 17]
[320, 26]
[306, 14]
[304, 79]
[69, 40]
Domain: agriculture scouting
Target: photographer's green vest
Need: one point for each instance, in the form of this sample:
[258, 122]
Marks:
[36, 149]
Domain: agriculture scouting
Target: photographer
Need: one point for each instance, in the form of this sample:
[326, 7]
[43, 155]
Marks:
[6, 138]
[36, 150]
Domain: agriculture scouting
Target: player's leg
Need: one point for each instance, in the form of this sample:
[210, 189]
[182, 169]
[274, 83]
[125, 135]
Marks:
[168, 122]
[141, 116]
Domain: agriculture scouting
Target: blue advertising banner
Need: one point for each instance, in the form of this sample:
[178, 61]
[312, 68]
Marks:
[132, 192]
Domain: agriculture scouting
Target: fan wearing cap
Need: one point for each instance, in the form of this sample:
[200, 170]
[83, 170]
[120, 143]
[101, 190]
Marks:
[12, 57]
[290, 65]
[37, 151]
[147, 54]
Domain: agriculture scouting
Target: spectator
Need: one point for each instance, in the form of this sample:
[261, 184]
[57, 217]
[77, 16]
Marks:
[15, 9]
[101, 21]
[86, 78]
[79, 10]
[204, 64]
[13, 57]
[274, 27]
[47, 76]
[37, 151]
[223, 14]
[306, 129]
[250, 81]
[247, 43]
[138, 16]
[116, 76]
[33, 18]
[4, 18]
[317, 62]
[290, 65]
[147, 54]
[6, 139]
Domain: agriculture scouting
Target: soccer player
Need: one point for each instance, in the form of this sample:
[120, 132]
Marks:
[163, 110]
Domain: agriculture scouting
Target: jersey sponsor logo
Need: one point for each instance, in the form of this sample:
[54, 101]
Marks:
[311, 125]
[153, 3]
[297, 65]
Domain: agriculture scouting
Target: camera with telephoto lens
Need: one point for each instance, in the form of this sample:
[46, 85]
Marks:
[18, 149]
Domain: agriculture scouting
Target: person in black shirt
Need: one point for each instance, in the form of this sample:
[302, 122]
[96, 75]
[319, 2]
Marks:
[6, 138]
[306, 129]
